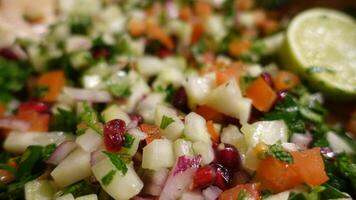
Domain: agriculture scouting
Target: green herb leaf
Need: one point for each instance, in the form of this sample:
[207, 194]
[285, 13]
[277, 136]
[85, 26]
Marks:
[166, 121]
[128, 140]
[117, 162]
[279, 153]
[106, 180]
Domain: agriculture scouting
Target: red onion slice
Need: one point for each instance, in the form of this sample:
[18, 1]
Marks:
[14, 124]
[95, 96]
[211, 193]
[61, 152]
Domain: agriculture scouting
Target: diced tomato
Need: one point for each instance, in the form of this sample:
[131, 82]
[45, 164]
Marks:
[238, 47]
[136, 28]
[39, 122]
[310, 166]
[261, 94]
[277, 176]
[285, 80]
[251, 190]
[54, 81]
[152, 132]
[208, 113]
[211, 130]
[197, 31]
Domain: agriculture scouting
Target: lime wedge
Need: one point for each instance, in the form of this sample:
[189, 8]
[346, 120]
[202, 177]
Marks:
[320, 45]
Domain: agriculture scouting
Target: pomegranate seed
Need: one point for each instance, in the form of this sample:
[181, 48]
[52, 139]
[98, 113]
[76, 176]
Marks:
[114, 134]
[204, 177]
[228, 156]
[37, 106]
[222, 176]
[136, 117]
[268, 78]
[180, 100]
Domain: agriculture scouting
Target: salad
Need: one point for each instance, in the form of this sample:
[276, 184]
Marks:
[189, 100]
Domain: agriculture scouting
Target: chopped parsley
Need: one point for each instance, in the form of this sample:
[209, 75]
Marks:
[117, 162]
[106, 180]
[279, 153]
[166, 121]
[128, 140]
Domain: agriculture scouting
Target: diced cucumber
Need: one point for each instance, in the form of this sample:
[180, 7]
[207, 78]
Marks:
[195, 128]
[149, 65]
[338, 144]
[268, 132]
[17, 142]
[75, 167]
[39, 190]
[235, 105]
[205, 150]
[198, 88]
[175, 129]
[66, 197]
[232, 135]
[121, 186]
[90, 140]
[279, 196]
[88, 197]
[115, 112]
[158, 154]
[147, 107]
[77, 43]
[182, 147]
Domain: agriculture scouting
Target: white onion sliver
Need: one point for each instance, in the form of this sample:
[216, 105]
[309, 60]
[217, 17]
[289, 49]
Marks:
[96, 96]
[301, 140]
[14, 124]
[212, 193]
[61, 152]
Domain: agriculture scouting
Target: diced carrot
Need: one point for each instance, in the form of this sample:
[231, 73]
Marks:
[211, 130]
[154, 31]
[277, 176]
[208, 113]
[310, 166]
[152, 132]
[285, 80]
[202, 8]
[185, 13]
[136, 28]
[55, 81]
[238, 47]
[234, 71]
[251, 190]
[261, 94]
[39, 122]
[197, 31]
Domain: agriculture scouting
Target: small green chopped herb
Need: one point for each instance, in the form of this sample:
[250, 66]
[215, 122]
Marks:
[166, 121]
[279, 153]
[40, 91]
[120, 90]
[242, 195]
[128, 140]
[48, 150]
[63, 120]
[106, 180]
[90, 117]
[117, 162]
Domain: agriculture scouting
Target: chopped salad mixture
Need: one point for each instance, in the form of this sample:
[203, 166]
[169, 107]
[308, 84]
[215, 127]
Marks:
[189, 100]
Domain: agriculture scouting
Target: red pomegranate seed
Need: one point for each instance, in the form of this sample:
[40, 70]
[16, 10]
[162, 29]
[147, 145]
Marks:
[222, 176]
[37, 106]
[204, 177]
[228, 156]
[180, 100]
[114, 134]
[268, 78]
